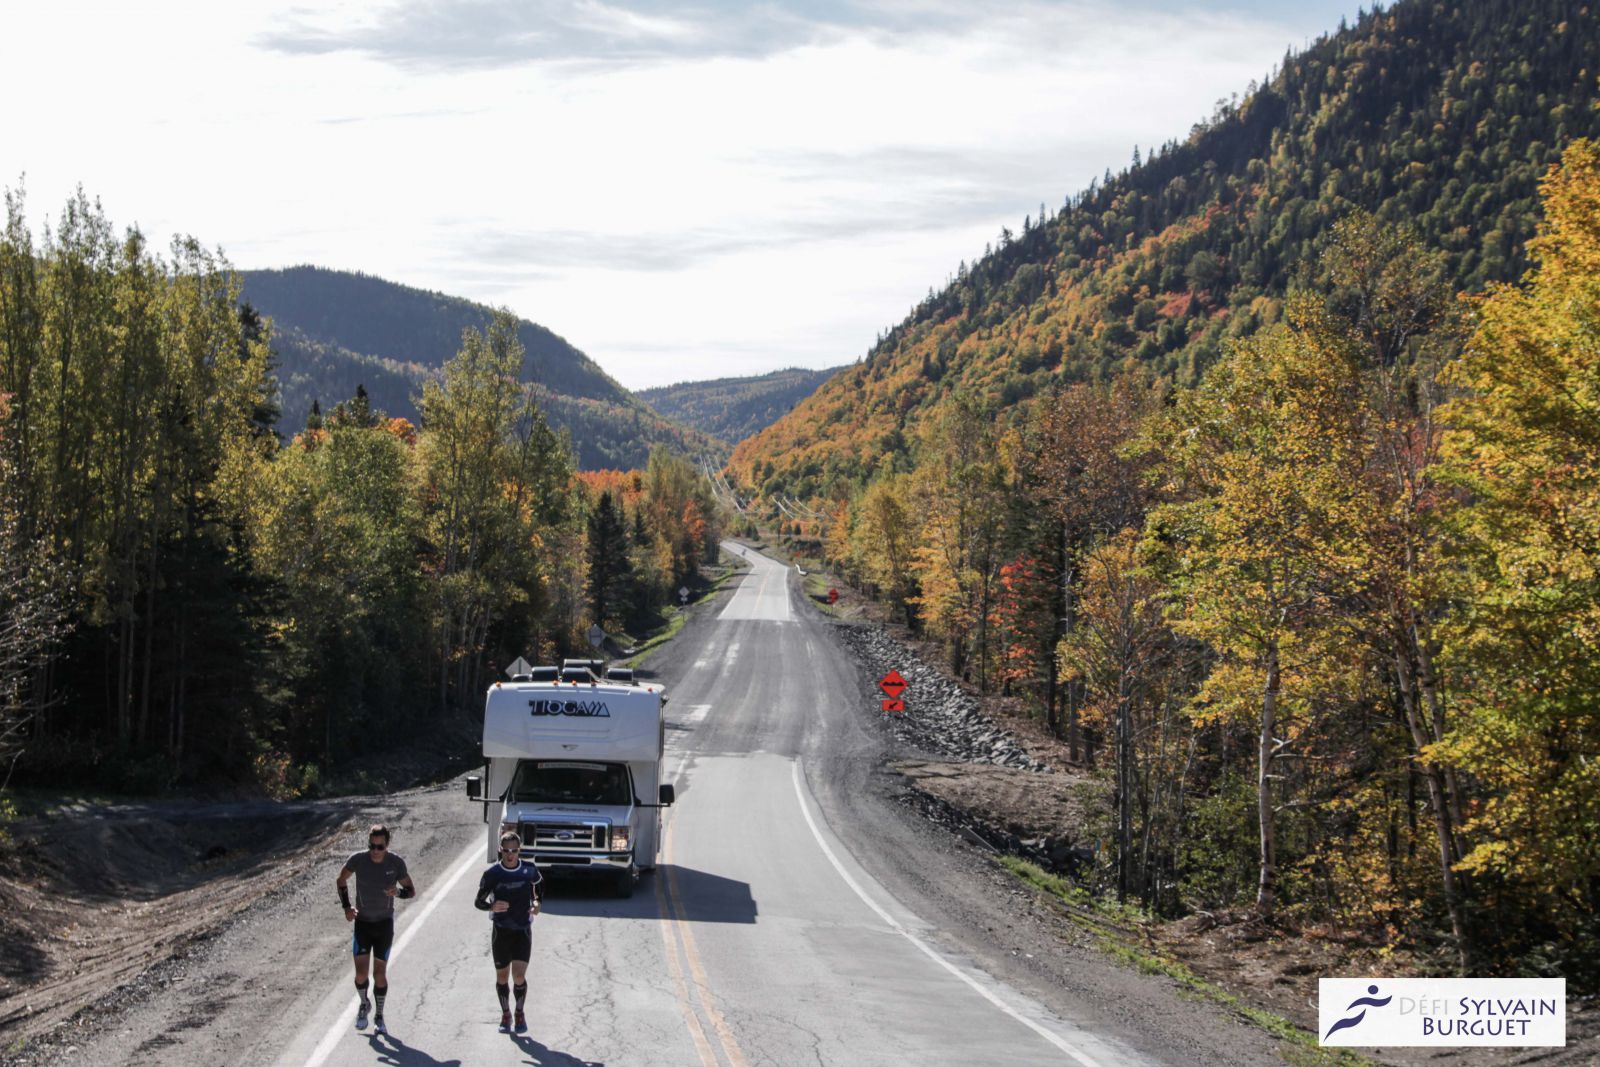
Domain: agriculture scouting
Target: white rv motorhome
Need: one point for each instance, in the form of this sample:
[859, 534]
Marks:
[574, 767]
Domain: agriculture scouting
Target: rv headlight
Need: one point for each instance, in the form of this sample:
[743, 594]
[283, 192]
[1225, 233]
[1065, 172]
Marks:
[619, 839]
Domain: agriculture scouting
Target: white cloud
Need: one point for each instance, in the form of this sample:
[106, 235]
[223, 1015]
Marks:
[680, 191]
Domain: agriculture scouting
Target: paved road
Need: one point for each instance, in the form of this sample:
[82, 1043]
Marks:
[760, 939]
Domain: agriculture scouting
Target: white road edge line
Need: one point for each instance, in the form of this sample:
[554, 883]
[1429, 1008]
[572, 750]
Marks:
[347, 1017]
[1055, 1039]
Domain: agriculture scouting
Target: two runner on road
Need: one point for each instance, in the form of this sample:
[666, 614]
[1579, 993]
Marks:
[508, 890]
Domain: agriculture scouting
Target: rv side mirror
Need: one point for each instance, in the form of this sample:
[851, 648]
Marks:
[668, 795]
[474, 787]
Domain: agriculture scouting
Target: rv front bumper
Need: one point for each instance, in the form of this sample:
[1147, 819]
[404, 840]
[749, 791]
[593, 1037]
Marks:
[580, 864]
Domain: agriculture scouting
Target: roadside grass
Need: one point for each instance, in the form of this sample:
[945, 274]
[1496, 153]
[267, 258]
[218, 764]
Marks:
[675, 617]
[1114, 927]
[816, 588]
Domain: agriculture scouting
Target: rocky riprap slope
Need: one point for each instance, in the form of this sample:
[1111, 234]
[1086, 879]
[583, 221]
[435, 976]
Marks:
[940, 717]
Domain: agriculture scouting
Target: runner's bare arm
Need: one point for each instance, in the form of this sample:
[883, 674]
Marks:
[408, 888]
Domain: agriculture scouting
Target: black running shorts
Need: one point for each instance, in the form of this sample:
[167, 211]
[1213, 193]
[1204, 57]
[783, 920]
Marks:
[373, 937]
[508, 944]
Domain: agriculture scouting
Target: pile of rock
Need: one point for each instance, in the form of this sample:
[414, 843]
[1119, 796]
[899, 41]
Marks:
[940, 717]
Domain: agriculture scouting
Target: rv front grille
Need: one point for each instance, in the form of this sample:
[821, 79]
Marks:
[578, 837]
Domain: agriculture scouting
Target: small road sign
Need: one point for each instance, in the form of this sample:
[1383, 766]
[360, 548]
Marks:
[894, 705]
[683, 594]
[521, 666]
[893, 684]
[833, 596]
[597, 636]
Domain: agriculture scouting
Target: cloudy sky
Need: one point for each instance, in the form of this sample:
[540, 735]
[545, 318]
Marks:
[683, 191]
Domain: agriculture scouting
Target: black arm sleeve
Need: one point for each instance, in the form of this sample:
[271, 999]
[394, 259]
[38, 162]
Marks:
[481, 901]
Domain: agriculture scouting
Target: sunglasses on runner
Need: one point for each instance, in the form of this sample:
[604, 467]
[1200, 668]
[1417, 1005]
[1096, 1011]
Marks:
[377, 846]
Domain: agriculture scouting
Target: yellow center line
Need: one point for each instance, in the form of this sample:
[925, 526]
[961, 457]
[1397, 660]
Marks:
[692, 955]
[680, 987]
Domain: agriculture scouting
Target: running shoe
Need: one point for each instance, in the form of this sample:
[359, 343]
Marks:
[377, 1025]
[522, 1023]
[505, 1022]
[361, 1017]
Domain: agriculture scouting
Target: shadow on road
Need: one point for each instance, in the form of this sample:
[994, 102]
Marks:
[700, 895]
[543, 1056]
[391, 1050]
[704, 897]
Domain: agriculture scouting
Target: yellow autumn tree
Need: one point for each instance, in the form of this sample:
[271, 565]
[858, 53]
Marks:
[1263, 465]
[882, 539]
[1524, 439]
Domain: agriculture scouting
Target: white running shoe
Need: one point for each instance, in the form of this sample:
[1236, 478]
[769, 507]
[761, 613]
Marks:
[361, 1017]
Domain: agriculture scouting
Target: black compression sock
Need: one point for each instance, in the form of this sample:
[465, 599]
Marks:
[361, 991]
[503, 991]
[378, 993]
[521, 989]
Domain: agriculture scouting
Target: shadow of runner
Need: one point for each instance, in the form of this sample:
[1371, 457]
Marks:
[391, 1050]
[544, 1056]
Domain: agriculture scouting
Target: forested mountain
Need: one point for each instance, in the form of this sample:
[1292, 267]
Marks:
[732, 409]
[1440, 115]
[334, 330]
[1215, 472]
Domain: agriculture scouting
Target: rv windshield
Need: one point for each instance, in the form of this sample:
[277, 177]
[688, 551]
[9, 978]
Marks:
[569, 782]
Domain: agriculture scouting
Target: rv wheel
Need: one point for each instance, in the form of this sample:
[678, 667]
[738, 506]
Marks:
[626, 881]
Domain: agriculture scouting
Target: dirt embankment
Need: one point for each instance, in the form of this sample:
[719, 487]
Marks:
[91, 897]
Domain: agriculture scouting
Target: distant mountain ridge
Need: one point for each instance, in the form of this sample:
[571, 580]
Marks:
[731, 409]
[334, 330]
[1441, 116]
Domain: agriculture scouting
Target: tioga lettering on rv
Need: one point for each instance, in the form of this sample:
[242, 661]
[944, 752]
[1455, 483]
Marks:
[589, 709]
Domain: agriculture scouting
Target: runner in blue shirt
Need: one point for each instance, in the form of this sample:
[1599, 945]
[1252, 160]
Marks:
[509, 889]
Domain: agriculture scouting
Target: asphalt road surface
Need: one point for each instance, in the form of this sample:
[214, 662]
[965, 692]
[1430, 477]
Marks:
[758, 940]
[797, 917]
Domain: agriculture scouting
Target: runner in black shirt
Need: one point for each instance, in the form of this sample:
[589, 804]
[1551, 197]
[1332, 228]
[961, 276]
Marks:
[380, 877]
[509, 889]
